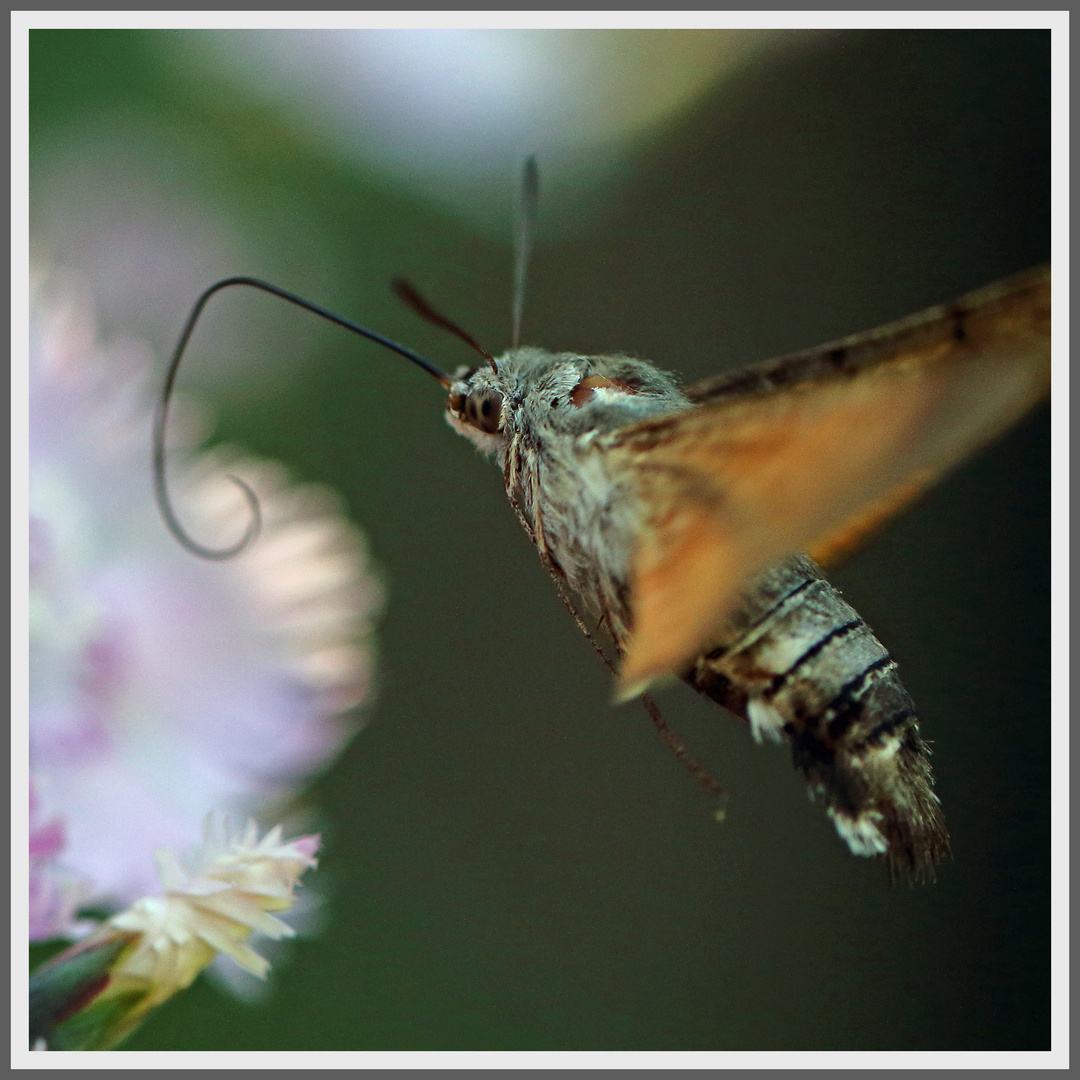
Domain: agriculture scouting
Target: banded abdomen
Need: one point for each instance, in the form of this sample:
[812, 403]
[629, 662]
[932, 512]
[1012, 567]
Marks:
[798, 663]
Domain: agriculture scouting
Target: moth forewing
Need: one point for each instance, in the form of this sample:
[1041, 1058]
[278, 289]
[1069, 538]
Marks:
[810, 452]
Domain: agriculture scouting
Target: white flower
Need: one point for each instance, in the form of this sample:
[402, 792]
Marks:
[162, 686]
[93, 995]
[228, 894]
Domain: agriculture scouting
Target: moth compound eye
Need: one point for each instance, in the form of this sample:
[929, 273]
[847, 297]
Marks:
[455, 403]
[483, 410]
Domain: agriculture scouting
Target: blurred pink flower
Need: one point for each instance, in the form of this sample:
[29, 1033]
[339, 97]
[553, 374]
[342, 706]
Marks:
[55, 894]
[163, 687]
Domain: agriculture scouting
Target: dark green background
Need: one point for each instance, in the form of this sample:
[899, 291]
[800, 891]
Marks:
[511, 862]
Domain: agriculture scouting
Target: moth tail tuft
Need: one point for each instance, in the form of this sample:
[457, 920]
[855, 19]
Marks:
[881, 801]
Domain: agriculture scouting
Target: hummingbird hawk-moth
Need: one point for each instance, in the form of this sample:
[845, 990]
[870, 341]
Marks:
[692, 523]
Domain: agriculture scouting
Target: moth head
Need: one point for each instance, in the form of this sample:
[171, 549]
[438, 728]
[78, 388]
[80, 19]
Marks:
[540, 394]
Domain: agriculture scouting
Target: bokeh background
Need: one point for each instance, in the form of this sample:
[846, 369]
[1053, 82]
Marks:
[511, 862]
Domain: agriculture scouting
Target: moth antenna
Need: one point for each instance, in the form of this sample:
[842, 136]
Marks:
[161, 413]
[523, 234]
[408, 295]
